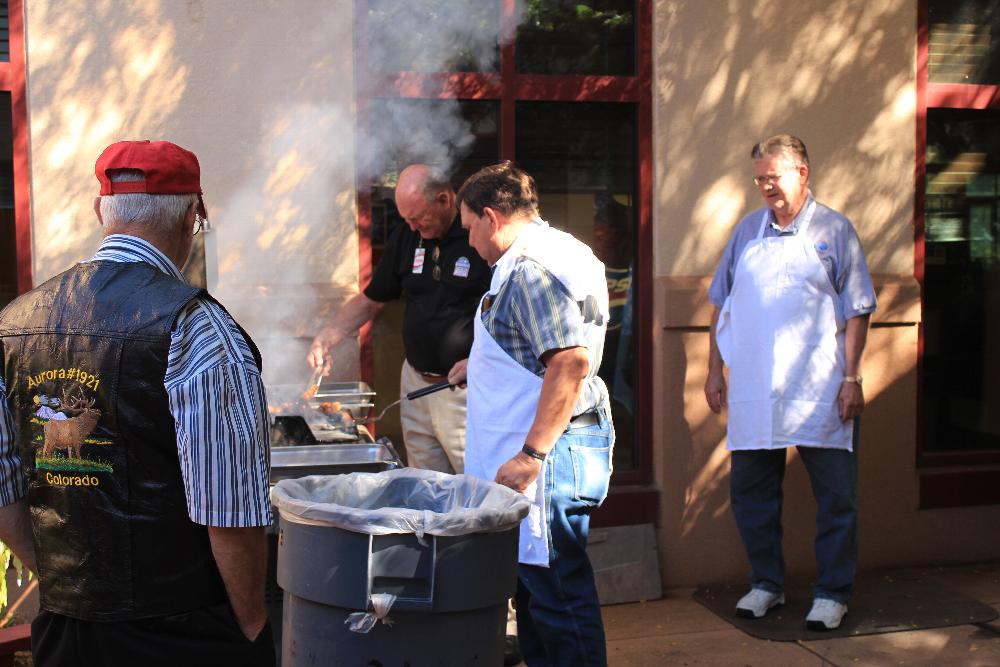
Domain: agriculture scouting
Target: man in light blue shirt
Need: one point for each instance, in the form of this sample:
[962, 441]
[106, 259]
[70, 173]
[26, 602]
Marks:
[792, 299]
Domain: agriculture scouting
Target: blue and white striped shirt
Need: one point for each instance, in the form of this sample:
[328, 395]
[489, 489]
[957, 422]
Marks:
[216, 398]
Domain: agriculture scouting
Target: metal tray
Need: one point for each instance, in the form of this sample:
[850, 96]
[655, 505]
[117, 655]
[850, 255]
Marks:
[346, 392]
[291, 462]
[356, 397]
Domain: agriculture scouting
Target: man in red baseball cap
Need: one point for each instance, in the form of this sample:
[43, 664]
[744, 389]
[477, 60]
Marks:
[166, 169]
[142, 508]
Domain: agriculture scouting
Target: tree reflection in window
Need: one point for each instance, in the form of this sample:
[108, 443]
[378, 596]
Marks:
[574, 37]
[433, 36]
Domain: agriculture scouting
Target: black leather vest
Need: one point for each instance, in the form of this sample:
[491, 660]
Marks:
[85, 355]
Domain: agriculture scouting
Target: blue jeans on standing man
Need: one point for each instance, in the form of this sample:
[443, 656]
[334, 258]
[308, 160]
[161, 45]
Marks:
[558, 613]
[755, 490]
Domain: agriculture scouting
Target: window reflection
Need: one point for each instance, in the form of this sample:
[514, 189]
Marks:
[4, 31]
[8, 245]
[577, 37]
[963, 40]
[433, 36]
[582, 156]
[962, 281]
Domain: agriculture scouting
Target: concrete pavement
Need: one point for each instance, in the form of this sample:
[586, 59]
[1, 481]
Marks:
[676, 630]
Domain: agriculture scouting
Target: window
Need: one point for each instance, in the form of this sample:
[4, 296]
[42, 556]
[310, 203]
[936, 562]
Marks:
[958, 250]
[962, 281]
[963, 38]
[563, 89]
[433, 36]
[15, 229]
[464, 134]
[8, 230]
[571, 37]
[583, 158]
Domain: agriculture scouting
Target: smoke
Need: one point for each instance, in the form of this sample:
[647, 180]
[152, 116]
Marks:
[285, 237]
[433, 36]
[404, 131]
[428, 37]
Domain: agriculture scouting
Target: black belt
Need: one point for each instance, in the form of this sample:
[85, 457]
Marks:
[584, 420]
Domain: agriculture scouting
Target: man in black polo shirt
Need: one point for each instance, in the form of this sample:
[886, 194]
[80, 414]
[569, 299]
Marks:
[443, 278]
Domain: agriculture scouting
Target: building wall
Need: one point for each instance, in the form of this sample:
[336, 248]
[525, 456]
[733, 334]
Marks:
[840, 75]
[262, 94]
[265, 97]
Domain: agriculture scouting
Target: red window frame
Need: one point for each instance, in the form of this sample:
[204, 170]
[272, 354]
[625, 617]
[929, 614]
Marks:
[12, 80]
[940, 484]
[509, 87]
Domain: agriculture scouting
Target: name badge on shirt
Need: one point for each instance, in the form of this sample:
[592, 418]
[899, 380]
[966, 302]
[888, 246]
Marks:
[418, 260]
[462, 267]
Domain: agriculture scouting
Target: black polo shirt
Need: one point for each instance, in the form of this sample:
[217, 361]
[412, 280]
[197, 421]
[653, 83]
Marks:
[437, 324]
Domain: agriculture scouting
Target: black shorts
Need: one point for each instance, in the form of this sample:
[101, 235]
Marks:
[209, 637]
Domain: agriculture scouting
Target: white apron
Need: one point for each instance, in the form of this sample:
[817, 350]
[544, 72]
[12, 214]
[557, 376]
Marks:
[503, 394]
[786, 351]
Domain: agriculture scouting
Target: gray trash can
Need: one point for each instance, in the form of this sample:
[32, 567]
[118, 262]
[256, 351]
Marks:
[442, 548]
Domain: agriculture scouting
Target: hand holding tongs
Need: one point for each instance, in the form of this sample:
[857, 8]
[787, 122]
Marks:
[429, 389]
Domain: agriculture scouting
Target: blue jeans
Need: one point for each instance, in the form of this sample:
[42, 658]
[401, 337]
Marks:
[755, 490]
[558, 614]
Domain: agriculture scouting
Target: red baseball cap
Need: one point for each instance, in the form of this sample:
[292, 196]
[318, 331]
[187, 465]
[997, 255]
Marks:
[168, 169]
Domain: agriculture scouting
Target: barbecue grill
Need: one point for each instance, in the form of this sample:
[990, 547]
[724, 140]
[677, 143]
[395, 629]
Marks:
[334, 414]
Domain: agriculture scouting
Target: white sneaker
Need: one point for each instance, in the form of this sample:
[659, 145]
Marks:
[758, 602]
[825, 614]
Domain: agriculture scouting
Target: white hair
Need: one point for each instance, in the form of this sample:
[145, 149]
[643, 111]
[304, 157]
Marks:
[154, 213]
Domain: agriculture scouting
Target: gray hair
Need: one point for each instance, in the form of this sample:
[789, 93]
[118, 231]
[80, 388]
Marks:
[154, 213]
[781, 144]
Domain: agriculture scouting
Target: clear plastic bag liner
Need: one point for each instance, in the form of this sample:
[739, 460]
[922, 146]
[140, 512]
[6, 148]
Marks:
[363, 622]
[405, 500]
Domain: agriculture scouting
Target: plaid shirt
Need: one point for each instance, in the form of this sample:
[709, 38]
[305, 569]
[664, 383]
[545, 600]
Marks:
[532, 313]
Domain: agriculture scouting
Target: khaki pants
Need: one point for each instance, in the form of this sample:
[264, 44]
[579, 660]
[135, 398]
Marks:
[433, 425]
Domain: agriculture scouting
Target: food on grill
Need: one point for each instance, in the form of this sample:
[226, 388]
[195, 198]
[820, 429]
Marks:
[314, 382]
[333, 415]
[295, 407]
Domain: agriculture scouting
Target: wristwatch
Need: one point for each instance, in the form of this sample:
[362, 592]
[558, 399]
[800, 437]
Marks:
[533, 453]
[854, 378]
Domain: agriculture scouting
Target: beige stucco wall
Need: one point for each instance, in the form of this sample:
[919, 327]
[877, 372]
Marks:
[261, 91]
[264, 95]
[841, 75]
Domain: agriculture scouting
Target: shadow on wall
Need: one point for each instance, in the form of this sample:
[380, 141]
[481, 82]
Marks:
[839, 75]
[696, 518]
[275, 137]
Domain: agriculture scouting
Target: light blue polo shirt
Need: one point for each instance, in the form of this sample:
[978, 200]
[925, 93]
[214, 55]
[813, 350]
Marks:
[835, 241]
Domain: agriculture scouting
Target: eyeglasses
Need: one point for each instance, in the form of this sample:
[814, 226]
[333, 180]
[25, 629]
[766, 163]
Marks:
[772, 178]
[199, 224]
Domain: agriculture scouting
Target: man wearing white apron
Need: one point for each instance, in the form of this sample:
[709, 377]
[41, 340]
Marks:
[793, 298]
[538, 415]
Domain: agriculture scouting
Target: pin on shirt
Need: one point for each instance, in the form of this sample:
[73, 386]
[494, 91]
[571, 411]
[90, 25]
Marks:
[418, 260]
[462, 266]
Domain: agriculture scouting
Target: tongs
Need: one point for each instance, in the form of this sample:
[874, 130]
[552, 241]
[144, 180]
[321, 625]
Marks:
[314, 382]
[429, 389]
